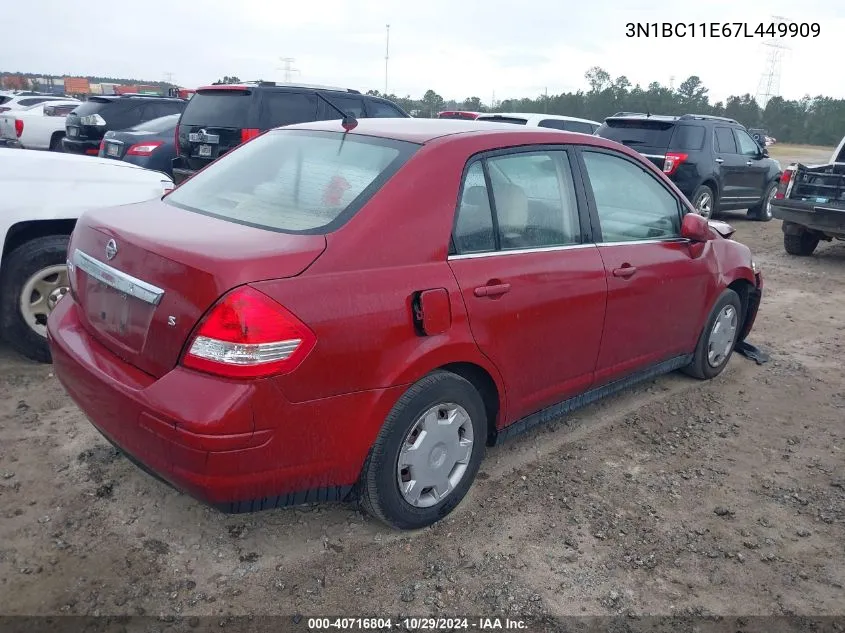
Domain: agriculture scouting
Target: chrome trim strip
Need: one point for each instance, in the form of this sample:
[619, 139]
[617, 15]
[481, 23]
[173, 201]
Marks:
[667, 240]
[663, 156]
[117, 279]
[520, 251]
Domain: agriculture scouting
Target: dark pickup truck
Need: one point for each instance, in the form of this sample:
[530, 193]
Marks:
[811, 202]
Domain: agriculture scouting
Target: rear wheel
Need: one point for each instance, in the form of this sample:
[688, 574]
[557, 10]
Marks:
[762, 212]
[801, 244]
[34, 278]
[718, 339]
[427, 453]
[704, 201]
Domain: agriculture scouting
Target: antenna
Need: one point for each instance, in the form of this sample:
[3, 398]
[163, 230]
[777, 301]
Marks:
[386, 57]
[769, 85]
[288, 67]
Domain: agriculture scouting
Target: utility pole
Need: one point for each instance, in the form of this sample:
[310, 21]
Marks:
[168, 77]
[287, 66]
[386, 57]
[545, 100]
[493, 101]
[672, 83]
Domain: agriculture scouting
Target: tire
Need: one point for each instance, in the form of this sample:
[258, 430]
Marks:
[31, 260]
[379, 491]
[704, 195]
[703, 366]
[56, 142]
[803, 244]
[762, 212]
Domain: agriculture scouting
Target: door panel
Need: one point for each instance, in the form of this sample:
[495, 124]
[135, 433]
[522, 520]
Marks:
[656, 282]
[652, 314]
[534, 292]
[544, 330]
[732, 167]
[755, 168]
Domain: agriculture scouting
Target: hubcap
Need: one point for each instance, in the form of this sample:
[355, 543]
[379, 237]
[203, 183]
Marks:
[40, 294]
[435, 455]
[722, 336]
[704, 204]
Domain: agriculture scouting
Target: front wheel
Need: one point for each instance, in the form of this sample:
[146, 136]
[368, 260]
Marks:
[704, 201]
[33, 280]
[762, 212]
[718, 339]
[427, 453]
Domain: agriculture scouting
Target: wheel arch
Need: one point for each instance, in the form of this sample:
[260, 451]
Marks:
[486, 386]
[22, 232]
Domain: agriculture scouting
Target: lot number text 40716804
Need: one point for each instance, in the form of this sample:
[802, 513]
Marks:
[722, 29]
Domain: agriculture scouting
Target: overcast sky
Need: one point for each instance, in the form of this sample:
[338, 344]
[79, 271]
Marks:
[458, 48]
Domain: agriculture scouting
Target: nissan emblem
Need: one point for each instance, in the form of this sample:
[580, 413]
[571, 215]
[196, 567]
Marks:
[111, 249]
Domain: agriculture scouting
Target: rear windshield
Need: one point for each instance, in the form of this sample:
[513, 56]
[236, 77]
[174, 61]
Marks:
[504, 119]
[158, 126]
[689, 137]
[218, 108]
[93, 106]
[637, 132]
[294, 180]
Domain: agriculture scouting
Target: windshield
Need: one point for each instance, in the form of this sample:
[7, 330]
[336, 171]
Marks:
[635, 132]
[158, 126]
[293, 180]
[218, 108]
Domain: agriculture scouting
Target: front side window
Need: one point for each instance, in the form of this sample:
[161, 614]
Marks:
[747, 145]
[382, 110]
[293, 180]
[631, 204]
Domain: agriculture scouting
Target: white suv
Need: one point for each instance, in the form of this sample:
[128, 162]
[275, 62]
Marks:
[553, 121]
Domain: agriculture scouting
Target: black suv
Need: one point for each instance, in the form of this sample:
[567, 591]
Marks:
[88, 123]
[221, 117]
[712, 160]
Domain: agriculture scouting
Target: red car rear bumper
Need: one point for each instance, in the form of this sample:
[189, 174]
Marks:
[239, 446]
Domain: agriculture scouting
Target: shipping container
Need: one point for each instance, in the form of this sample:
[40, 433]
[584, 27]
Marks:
[77, 86]
[96, 89]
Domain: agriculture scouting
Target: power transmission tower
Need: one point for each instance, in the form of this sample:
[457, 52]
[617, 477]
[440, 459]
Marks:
[769, 85]
[168, 77]
[672, 82]
[287, 66]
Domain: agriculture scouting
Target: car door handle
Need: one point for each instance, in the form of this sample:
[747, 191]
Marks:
[749, 163]
[720, 160]
[625, 271]
[492, 290]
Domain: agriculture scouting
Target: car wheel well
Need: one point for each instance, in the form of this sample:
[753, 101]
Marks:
[24, 232]
[56, 136]
[742, 287]
[712, 184]
[486, 386]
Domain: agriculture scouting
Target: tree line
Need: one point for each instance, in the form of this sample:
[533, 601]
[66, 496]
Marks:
[810, 120]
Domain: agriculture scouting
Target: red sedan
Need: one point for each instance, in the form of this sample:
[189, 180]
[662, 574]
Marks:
[325, 314]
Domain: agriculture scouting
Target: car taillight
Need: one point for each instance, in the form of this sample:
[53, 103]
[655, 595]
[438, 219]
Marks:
[176, 139]
[783, 184]
[144, 149]
[102, 146]
[248, 335]
[18, 127]
[672, 161]
[248, 134]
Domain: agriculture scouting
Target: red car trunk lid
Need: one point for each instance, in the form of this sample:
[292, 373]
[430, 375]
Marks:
[144, 274]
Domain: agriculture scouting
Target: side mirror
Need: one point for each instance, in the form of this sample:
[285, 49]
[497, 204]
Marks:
[695, 228]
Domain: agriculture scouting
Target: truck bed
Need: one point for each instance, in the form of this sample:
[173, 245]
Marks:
[823, 185]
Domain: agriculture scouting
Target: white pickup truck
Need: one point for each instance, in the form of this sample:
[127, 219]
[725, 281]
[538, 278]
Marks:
[40, 126]
[42, 195]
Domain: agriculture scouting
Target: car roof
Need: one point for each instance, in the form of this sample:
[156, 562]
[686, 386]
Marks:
[528, 116]
[422, 131]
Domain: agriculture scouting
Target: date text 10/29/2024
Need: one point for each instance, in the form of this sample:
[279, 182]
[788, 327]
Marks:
[418, 624]
[722, 29]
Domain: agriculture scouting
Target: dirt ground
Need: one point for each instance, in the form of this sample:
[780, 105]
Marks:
[677, 497]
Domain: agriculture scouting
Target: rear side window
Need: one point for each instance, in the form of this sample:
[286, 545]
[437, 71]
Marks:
[688, 137]
[725, 140]
[4, 100]
[346, 104]
[380, 109]
[569, 126]
[504, 119]
[286, 108]
[638, 132]
[474, 231]
[31, 102]
[218, 108]
[294, 180]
